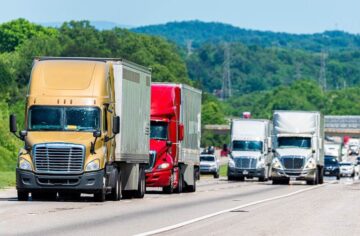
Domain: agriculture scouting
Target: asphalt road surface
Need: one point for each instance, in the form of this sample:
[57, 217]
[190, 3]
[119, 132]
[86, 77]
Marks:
[218, 207]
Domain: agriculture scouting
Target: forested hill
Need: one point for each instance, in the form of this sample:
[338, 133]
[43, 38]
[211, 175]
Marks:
[200, 32]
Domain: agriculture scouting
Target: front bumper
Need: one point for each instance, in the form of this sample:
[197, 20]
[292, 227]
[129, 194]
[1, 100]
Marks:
[237, 172]
[88, 182]
[331, 172]
[208, 170]
[158, 178]
[346, 172]
[297, 174]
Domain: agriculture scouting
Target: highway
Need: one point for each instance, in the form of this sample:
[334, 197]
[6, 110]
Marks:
[218, 207]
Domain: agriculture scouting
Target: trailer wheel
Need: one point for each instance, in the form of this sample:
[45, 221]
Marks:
[140, 192]
[180, 185]
[22, 195]
[216, 175]
[115, 194]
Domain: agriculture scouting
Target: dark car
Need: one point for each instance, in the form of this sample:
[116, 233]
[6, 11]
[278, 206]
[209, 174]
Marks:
[332, 167]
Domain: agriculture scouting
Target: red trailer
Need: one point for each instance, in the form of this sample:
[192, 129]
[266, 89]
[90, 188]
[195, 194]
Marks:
[174, 137]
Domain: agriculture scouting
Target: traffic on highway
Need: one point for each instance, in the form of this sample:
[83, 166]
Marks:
[115, 135]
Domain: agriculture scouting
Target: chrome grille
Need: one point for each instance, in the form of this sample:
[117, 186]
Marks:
[293, 162]
[245, 163]
[59, 158]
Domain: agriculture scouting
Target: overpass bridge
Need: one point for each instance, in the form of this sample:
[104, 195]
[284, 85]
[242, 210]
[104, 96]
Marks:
[334, 126]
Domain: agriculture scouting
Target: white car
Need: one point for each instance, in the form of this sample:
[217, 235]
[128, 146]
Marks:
[347, 169]
[209, 164]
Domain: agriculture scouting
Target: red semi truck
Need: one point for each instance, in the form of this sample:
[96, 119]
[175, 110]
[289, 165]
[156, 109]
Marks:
[174, 137]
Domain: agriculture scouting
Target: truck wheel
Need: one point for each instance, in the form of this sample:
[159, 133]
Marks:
[22, 195]
[321, 176]
[338, 177]
[275, 182]
[115, 194]
[140, 192]
[169, 189]
[216, 175]
[100, 195]
[241, 178]
[180, 185]
[230, 178]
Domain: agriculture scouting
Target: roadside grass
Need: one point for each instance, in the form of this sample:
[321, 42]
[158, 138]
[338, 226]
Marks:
[223, 170]
[7, 179]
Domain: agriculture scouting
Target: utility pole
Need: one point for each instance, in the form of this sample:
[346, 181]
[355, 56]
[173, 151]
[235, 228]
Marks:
[322, 77]
[226, 83]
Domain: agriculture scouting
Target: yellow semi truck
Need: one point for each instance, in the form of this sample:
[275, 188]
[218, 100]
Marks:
[87, 129]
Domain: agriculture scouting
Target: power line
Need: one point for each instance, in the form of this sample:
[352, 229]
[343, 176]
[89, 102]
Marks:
[226, 82]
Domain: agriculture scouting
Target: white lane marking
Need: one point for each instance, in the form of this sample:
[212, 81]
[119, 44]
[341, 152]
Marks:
[182, 224]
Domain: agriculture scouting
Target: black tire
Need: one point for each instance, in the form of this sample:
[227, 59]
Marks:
[192, 188]
[127, 194]
[100, 196]
[230, 178]
[115, 194]
[180, 185]
[170, 188]
[262, 179]
[22, 195]
[140, 192]
[216, 175]
[241, 178]
[338, 177]
[352, 175]
[275, 182]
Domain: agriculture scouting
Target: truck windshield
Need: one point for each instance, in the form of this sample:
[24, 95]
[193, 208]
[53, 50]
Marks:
[158, 130]
[59, 118]
[247, 146]
[296, 142]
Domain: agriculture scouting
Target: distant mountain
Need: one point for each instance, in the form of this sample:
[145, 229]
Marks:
[100, 25]
[199, 33]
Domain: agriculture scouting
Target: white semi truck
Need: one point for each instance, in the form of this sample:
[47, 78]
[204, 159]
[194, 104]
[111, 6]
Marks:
[299, 147]
[250, 149]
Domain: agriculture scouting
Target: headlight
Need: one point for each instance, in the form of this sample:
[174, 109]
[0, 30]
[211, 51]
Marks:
[231, 163]
[163, 166]
[24, 164]
[311, 164]
[276, 164]
[93, 165]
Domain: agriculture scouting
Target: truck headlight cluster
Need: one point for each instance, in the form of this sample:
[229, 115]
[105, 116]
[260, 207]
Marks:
[276, 164]
[311, 164]
[24, 164]
[231, 163]
[163, 166]
[93, 165]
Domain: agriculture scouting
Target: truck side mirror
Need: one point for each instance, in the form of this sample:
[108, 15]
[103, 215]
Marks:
[181, 132]
[97, 134]
[169, 143]
[13, 126]
[273, 150]
[116, 125]
[313, 151]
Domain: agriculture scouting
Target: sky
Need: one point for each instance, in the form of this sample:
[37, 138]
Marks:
[292, 16]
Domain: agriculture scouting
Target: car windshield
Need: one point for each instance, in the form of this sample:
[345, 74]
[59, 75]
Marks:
[207, 158]
[330, 160]
[159, 130]
[59, 118]
[296, 142]
[241, 145]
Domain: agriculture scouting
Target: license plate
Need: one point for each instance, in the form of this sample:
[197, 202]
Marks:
[292, 178]
[327, 172]
[245, 172]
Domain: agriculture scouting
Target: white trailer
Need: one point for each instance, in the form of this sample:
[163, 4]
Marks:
[250, 147]
[299, 147]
